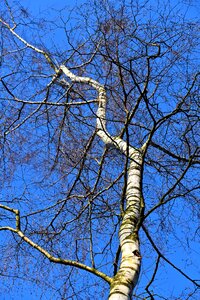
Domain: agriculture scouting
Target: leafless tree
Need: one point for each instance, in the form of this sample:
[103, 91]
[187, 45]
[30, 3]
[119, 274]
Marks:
[100, 135]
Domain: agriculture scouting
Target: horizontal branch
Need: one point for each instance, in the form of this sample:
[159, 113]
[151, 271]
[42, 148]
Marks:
[54, 103]
[179, 158]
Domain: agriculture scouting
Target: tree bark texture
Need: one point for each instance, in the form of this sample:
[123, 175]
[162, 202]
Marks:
[127, 276]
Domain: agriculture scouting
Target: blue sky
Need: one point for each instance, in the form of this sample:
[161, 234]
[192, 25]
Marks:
[38, 8]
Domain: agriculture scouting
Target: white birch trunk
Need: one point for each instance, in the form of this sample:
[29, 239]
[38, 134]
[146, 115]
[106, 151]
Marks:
[127, 276]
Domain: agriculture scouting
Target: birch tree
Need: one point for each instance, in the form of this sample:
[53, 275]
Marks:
[100, 150]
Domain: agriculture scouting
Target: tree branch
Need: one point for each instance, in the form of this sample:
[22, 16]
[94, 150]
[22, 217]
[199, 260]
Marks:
[179, 158]
[165, 259]
[46, 253]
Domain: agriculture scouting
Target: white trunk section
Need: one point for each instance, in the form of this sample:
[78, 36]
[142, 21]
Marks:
[127, 276]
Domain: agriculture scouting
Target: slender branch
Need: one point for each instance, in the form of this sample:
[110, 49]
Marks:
[49, 60]
[166, 151]
[153, 276]
[165, 259]
[15, 211]
[116, 261]
[162, 200]
[45, 252]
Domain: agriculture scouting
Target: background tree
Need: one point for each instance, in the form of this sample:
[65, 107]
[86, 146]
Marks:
[100, 151]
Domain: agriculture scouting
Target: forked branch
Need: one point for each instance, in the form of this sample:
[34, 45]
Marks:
[51, 258]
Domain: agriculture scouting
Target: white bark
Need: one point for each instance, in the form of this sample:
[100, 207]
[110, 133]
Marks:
[127, 276]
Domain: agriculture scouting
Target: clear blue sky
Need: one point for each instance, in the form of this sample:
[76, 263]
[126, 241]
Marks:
[37, 8]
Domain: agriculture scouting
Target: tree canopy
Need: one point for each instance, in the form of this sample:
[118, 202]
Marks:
[100, 157]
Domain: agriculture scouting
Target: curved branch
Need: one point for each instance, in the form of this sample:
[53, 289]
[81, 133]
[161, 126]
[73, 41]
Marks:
[168, 152]
[167, 260]
[49, 60]
[153, 276]
[162, 200]
[51, 258]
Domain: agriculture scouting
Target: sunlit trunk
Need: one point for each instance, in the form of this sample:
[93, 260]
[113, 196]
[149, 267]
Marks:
[127, 276]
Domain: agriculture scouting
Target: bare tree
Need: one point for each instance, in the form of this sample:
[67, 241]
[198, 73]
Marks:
[100, 150]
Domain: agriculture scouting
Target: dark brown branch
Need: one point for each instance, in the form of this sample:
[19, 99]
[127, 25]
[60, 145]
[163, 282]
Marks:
[165, 259]
[153, 276]
[168, 152]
